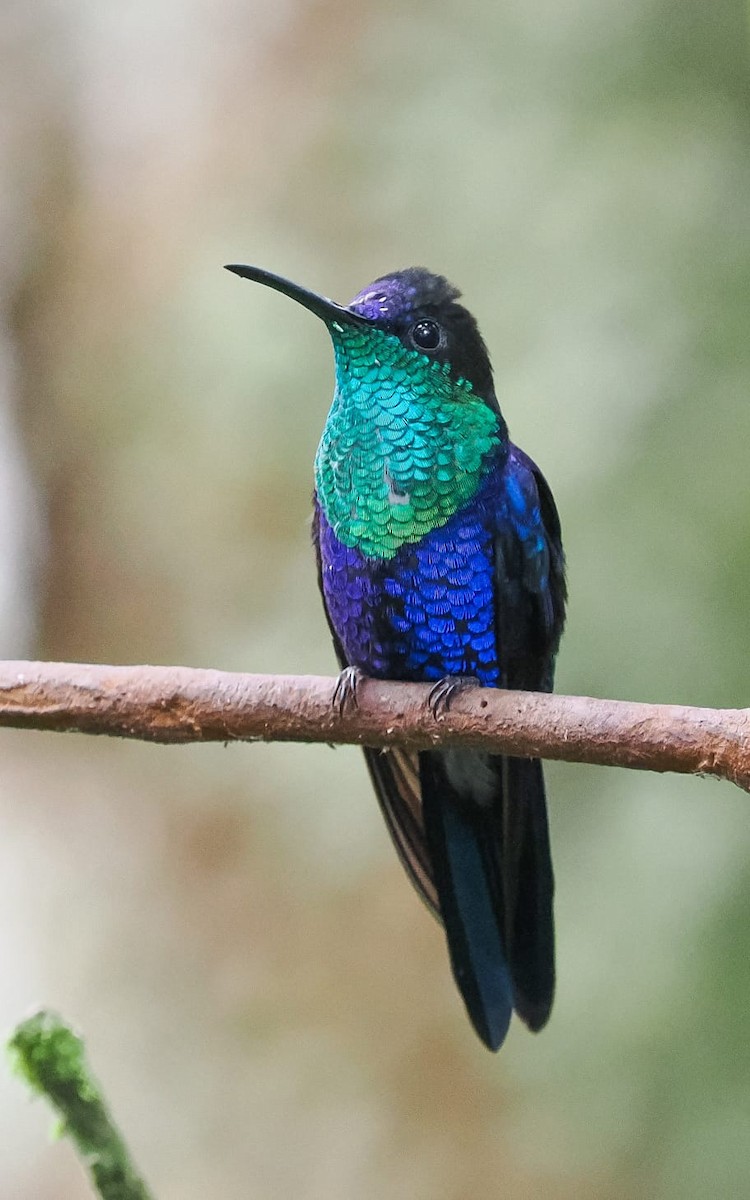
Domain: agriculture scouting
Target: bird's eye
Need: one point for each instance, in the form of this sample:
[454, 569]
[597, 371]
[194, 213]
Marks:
[426, 335]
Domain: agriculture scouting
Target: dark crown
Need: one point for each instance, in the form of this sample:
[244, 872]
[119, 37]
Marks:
[402, 292]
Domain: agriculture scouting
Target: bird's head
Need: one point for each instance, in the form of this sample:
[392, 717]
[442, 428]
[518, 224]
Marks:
[414, 420]
[420, 310]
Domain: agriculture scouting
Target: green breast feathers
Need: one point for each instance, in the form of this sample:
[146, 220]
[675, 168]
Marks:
[404, 446]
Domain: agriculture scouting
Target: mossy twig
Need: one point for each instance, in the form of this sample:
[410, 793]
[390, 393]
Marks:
[50, 1057]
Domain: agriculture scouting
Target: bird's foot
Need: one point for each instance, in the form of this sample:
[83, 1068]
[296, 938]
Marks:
[442, 693]
[345, 692]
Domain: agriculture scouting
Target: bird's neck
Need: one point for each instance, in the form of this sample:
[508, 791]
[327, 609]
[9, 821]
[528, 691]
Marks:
[404, 447]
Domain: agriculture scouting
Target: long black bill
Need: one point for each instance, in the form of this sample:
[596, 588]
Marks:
[326, 309]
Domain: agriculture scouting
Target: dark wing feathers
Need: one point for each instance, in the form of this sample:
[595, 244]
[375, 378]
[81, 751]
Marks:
[395, 776]
[530, 613]
[531, 592]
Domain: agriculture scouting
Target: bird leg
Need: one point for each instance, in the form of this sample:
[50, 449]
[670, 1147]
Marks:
[345, 692]
[442, 693]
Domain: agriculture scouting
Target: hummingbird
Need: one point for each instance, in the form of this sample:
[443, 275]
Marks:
[440, 560]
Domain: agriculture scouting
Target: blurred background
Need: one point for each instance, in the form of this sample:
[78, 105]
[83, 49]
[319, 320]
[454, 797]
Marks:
[266, 1001]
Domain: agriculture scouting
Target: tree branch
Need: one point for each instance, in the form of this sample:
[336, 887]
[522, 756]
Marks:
[180, 704]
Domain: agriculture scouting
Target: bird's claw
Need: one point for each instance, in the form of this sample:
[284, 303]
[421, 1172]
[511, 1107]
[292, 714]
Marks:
[345, 692]
[442, 693]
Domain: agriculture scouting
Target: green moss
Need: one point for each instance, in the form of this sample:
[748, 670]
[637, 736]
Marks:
[50, 1057]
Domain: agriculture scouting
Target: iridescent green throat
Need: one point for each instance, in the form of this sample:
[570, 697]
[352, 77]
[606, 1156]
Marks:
[404, 447]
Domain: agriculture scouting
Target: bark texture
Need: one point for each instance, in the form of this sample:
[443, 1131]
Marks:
[181, 704]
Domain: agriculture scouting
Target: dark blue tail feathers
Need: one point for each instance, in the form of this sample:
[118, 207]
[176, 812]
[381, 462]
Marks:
[469, 902]
[492, 871]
